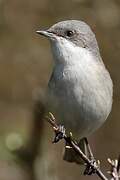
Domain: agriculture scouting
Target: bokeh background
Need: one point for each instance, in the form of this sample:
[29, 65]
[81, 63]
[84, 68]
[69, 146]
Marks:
[26, 151]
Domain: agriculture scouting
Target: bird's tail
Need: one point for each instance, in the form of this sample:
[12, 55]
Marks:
[71, 156]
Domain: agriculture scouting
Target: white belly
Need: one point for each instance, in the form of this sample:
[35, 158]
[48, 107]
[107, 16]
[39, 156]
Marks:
[80, 107]
[80, 90]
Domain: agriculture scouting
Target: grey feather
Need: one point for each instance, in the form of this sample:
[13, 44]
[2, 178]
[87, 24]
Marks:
[80, 89]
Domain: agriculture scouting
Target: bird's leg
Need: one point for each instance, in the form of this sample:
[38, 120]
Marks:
[90, 154]
[59, 134]
[89, 170]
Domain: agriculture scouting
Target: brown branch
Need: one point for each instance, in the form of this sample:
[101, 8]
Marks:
[93, 165]
[115, 168]
[90, 165]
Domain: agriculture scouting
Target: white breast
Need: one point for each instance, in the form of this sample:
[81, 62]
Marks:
[81, 87]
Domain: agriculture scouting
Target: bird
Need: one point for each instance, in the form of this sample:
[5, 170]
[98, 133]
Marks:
[80, 89]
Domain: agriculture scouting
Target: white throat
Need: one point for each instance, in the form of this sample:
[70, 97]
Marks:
[66, 53]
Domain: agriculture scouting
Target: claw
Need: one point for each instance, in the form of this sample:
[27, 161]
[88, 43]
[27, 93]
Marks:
[59, 134]
[89, 170]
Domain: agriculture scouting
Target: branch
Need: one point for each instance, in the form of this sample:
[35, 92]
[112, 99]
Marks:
[93, 165]
[115, 168]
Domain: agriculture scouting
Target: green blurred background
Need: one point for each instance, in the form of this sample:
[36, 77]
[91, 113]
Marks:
[25, 68]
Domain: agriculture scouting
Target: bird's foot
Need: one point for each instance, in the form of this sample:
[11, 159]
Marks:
[89, 170]
[59, 134]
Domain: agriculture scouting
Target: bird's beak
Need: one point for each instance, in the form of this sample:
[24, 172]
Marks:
[46, 33]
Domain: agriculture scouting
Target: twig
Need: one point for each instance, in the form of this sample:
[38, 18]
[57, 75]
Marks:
[115, 168]
[93, 165]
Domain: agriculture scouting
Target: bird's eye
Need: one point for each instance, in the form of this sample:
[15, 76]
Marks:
[69, 33]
